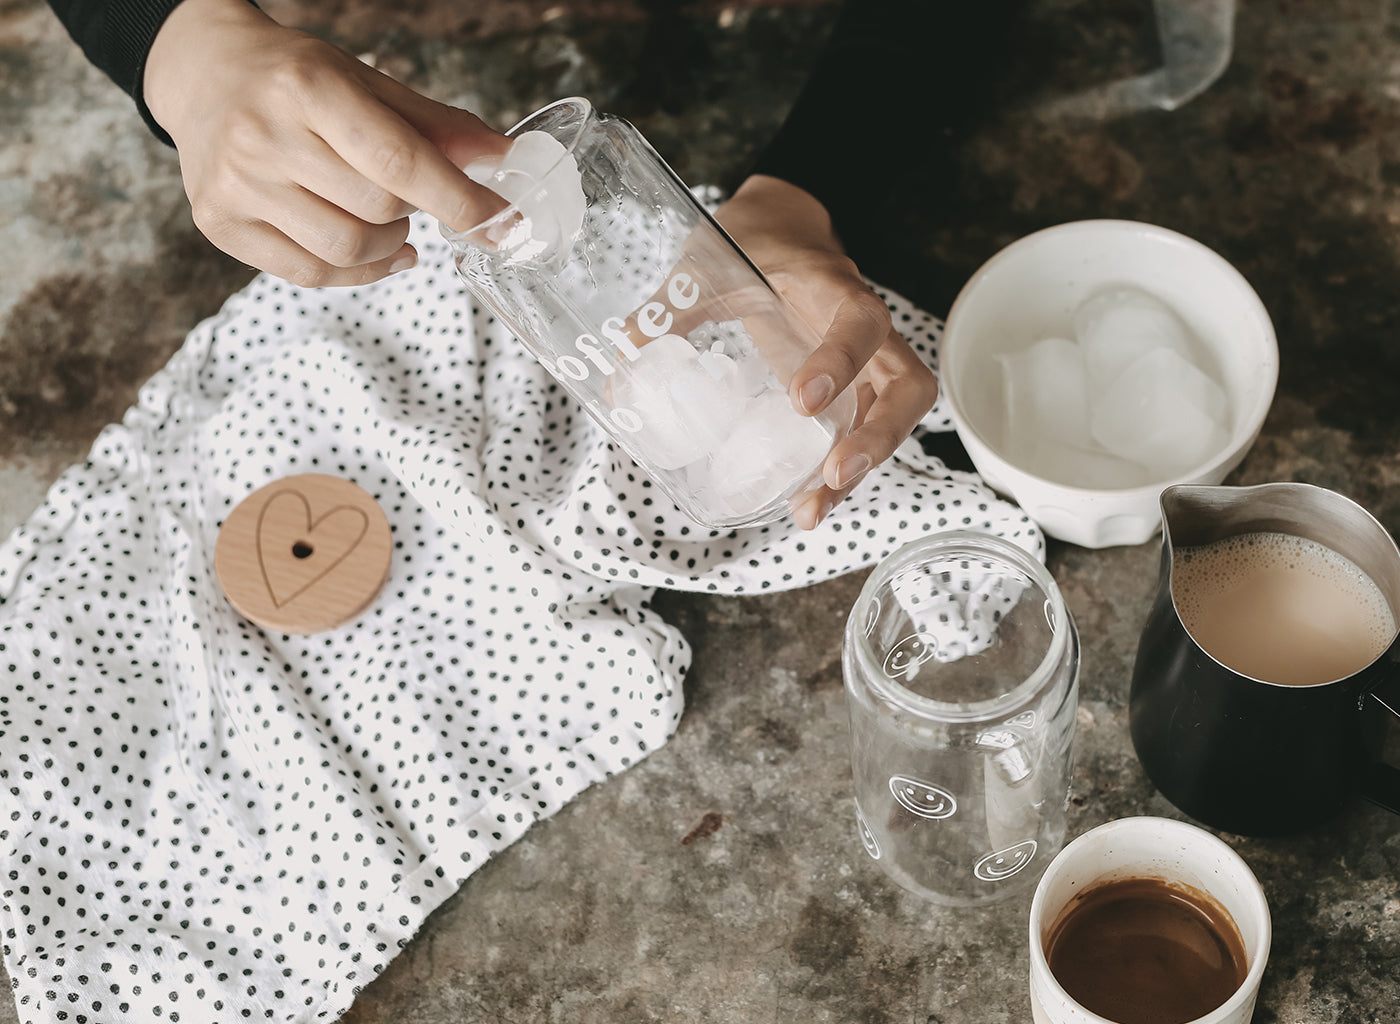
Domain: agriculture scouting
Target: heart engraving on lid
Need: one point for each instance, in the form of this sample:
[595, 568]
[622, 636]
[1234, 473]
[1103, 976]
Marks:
[304, 553]
[295, 551]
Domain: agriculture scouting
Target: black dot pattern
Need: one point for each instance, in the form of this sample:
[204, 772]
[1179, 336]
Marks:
[203, 822]
[950, 610]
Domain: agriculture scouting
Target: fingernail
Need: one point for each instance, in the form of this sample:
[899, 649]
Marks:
[815, 393]
[851, 468]
[823, 513]
[404, 262]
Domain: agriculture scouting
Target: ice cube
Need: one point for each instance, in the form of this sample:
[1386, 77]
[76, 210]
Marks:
[685, 411]
[563, 194]
[716, 363]
[770, 451]
[1162, 412]
[1118, 325]
[729, 334]
[1044, 395]
[752, 374]
[533, 153]
[541, 179]
[525, 238]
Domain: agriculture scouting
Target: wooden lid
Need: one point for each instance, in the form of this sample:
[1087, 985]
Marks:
[304, 554]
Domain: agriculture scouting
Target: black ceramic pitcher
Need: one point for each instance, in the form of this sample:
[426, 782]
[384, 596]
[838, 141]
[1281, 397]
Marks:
[1246, 755]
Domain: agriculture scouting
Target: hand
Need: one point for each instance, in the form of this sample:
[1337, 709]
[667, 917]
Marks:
[788, 234]
[301, 160]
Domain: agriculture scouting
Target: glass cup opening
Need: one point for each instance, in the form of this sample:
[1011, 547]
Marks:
[566, 120]
[1019, 602]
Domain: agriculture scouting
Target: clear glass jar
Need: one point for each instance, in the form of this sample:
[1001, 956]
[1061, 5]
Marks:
[653, 319]
[961, 666]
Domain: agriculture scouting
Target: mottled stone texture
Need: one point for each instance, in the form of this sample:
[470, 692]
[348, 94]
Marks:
[721, 880]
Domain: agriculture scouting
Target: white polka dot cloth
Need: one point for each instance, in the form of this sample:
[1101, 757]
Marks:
[204, 822]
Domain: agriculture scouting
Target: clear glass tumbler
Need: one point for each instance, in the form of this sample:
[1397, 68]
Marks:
[649, 315]
[962, 668]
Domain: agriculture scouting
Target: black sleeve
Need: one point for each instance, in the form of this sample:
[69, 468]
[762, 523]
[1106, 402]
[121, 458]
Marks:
[898, 82]
[116, 35]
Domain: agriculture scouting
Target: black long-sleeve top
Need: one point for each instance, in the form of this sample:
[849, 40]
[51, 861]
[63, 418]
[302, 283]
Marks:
[897, 87]
[897, 82]
[116, 36]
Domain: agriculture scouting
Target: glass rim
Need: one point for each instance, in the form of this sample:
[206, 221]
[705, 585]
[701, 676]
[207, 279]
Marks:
[972, 541]
[586, 112]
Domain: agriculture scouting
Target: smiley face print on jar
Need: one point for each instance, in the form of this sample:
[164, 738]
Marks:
[1001, 864]
[905, 657]
[923, 798]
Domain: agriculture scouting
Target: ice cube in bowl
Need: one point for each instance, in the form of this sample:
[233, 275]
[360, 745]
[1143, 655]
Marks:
[1118, 325]
[1162, 412]
[1045, 394]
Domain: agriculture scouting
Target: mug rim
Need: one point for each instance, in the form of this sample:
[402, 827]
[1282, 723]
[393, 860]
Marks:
[1226, 855]
[1061, 623]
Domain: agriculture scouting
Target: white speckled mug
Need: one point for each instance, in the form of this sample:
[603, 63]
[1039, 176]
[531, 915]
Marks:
[1148, 848]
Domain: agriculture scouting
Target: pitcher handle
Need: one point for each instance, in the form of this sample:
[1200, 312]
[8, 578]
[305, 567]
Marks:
[1382, 782]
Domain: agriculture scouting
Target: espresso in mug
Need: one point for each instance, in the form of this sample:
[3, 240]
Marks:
[1281, 608]
[1147, 951]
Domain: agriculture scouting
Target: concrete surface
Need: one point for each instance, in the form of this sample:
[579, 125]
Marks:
[721, 880]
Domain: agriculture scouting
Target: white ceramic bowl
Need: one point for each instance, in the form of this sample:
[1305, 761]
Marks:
[1030, 290]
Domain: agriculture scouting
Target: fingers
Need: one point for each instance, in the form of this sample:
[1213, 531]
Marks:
[902, 390]
[304, 162]
[859, 326]
[307, 241]
[323, 173]
[300, 159]
[335, 237]
[259, 244]
[389, 150]
[458, 134]
[895, 390]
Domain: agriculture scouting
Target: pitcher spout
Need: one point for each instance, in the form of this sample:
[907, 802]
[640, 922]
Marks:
[1196, 514]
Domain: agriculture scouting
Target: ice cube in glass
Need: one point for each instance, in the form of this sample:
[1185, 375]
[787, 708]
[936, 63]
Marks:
[686, 410]
[770, 451]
